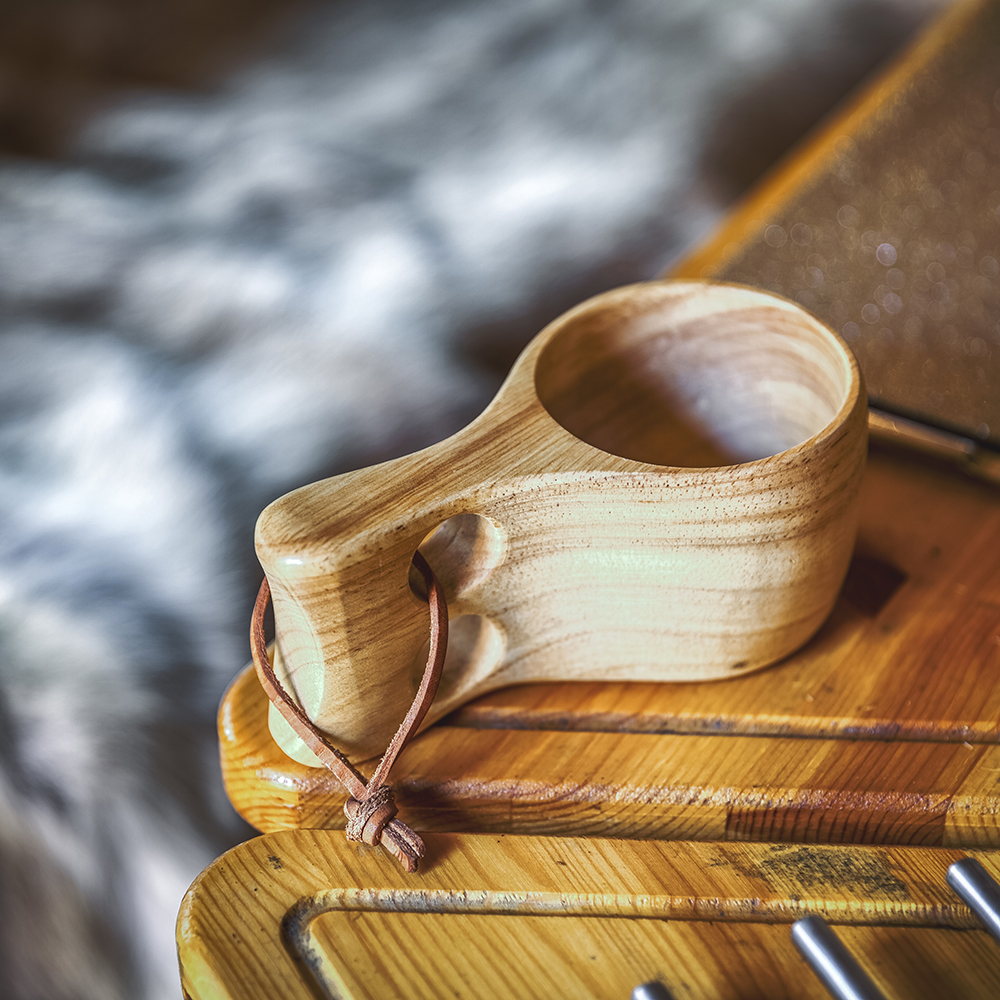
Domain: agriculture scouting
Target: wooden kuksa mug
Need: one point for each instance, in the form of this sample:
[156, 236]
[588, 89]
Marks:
[664, 489]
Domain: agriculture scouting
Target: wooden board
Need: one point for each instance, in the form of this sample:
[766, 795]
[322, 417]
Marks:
[628, 785]
[302, 913]
[883, 729]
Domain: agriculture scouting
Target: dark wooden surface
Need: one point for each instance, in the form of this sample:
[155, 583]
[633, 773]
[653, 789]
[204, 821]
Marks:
[886, 225]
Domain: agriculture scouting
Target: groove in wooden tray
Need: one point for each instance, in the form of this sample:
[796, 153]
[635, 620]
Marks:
[566, 958]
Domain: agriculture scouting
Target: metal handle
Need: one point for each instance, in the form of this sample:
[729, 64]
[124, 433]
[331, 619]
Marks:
[832, 962]
[653, 990]
[979, 891]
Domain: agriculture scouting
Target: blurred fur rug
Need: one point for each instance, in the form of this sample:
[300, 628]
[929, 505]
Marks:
[330, 257]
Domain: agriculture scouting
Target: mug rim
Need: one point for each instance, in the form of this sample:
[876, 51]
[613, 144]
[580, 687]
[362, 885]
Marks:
[855, 379]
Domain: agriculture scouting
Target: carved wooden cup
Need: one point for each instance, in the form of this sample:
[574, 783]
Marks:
[665, 488]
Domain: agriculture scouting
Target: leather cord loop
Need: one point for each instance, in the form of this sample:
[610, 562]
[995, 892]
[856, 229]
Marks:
[371, 808]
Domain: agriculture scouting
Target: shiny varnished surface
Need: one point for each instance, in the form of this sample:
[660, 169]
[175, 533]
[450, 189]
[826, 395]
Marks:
[670, 787]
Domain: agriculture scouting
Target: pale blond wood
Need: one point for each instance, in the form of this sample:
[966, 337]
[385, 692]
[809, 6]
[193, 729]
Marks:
[710, 920]
[602, 532]
[925, 665]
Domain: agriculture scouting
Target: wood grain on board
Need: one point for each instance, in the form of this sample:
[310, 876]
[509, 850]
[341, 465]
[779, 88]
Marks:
[525, 917]
[656, 786]
[898, 698]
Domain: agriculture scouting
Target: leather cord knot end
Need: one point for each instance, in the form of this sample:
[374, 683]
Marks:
[372, 820]
[367, 818]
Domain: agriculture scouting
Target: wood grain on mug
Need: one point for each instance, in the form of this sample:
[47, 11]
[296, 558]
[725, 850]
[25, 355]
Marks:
[597, 536]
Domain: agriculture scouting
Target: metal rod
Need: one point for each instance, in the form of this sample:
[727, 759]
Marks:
[979, 891]
[972, 457]
[653, 990]
[832, 962]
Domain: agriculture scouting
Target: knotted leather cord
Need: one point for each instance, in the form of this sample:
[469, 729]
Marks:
[371, 809]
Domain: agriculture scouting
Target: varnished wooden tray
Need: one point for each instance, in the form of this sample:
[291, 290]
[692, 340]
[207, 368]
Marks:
[883, 729]
[303, 913]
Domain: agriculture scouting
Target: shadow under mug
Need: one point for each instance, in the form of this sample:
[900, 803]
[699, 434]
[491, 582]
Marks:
[665, 488]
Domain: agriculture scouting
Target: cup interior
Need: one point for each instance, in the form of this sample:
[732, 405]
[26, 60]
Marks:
[691, 375]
